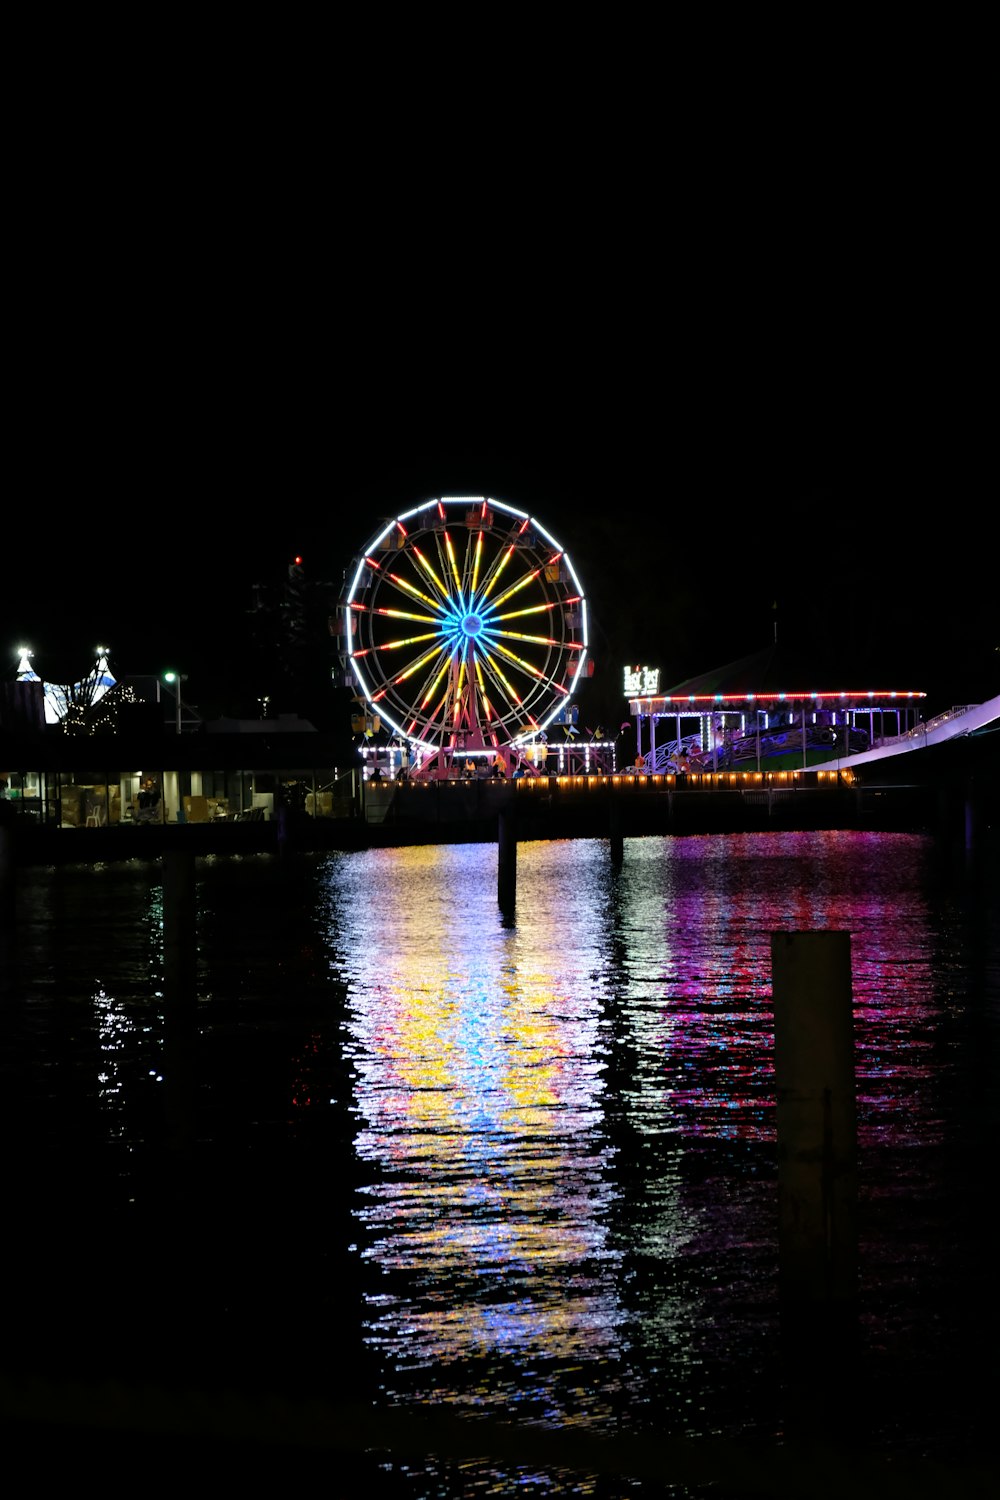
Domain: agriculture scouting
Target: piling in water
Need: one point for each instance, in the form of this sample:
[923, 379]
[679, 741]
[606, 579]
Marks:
[507, 860]
[816, 1117]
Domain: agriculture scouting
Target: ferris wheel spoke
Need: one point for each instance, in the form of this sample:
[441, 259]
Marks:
[395, 614]
[390, 684]
[505, 687]
[472, 563]
[522, 583]
[477, 559]
[512, 588]
[443, 591]
[409, 640]
[530, 609]
[421, 720]
[520, 635]
[409, 589]
[525, 666]
[432, 685]
[453, 562]
[503, 557]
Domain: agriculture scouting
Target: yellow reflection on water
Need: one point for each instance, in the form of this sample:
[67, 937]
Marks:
[479, 1090]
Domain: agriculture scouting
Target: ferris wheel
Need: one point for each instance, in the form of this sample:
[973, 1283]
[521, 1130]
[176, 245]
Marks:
[465, 626]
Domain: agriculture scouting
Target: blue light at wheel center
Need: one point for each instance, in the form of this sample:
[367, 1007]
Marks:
[466, 625]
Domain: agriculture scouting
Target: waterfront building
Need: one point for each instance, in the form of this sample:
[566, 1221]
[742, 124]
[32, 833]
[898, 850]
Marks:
[761, 712]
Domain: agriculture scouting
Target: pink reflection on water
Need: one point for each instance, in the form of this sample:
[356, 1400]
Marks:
[498, 1070]
[729, 894]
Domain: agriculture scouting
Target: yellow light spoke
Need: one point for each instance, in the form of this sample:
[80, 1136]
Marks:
[501, 562]
[433, 687]
[530, 609]
[526, 666]
[409, 588]
[407, 672]
[516, 587]
[410, 640]
[519, 661]
[538, 640]
[477, 562]
[404, 614]
[429, 570]
[451, 558]
[496, 671]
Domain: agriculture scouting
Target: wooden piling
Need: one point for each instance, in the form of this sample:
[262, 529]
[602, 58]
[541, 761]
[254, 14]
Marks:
[816, 1117]
[8, 869]
[8, 898]
[179, 924]
[507, 859]
[615, 839]
[180, 964]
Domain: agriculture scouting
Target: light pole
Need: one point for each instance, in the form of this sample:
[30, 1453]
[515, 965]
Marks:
[174, 680]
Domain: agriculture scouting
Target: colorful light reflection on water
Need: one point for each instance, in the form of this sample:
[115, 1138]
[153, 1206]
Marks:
[529, 1165]
[569, 1120]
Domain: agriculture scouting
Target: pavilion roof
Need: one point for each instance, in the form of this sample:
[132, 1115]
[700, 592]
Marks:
[775, 672]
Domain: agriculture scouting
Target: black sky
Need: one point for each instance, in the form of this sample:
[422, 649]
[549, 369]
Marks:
[689, 514]
[722, 380]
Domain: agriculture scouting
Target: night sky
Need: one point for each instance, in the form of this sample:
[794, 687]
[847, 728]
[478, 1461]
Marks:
[724, 384]
[690, 513]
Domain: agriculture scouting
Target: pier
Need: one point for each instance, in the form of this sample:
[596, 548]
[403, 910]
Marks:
[559, 807]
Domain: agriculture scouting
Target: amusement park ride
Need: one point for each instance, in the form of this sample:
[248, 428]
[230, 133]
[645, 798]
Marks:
[463, 631]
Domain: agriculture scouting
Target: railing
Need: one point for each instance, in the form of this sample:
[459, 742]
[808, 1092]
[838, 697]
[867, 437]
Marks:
[698, 781]
[919, 732]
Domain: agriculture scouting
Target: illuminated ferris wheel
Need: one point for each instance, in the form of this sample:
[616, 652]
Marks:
[465, 626]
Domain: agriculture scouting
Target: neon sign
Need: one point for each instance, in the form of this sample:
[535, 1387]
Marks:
[642, 680]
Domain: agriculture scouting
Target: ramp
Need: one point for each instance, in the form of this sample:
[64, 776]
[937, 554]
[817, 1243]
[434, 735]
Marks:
[950, 725]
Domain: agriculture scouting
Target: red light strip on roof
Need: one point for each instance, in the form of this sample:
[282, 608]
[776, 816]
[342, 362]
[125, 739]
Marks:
[680, 699]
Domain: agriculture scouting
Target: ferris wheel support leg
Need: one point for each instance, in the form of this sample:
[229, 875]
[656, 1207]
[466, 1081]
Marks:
[507, 860]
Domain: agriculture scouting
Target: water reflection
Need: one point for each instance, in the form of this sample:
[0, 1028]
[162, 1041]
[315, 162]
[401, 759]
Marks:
[568, 1122]
[521, 1168]
[479, 1086]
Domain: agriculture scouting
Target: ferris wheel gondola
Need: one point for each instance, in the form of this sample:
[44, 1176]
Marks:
[465, 627]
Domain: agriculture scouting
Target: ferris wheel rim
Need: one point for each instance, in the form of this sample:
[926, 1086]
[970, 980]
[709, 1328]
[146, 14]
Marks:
[569, 656]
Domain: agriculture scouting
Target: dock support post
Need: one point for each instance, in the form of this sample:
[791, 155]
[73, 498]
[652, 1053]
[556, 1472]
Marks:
[180, 964]
[507, 860]
[8, 869]
[179, 951]
[817, 1180]
[816, 1117]
[8, 897]
[616, 841]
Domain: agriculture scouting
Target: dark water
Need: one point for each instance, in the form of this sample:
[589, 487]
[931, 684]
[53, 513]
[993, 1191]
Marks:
[404, 1169]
